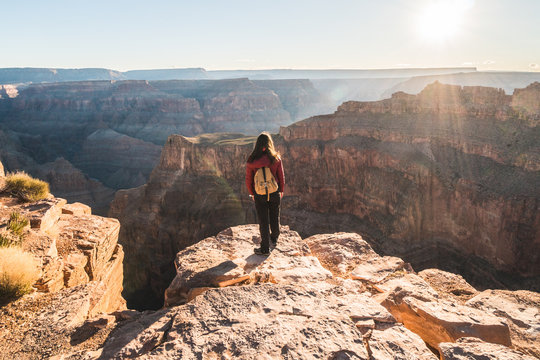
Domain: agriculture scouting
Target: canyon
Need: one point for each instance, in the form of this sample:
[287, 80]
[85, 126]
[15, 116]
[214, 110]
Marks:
[108, 127]
[448, 178]
[111, 132]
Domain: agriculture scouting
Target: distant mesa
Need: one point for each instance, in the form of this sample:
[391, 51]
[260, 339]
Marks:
[36, 75]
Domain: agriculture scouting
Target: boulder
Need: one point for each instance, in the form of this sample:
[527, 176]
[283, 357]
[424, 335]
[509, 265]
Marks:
[449, 285]
[77, 208]
[476, 349]
[380, 268]
[43, 214]
[340, 252]
[228, 259]
[398, 343]
[438, 320]
[520, 309]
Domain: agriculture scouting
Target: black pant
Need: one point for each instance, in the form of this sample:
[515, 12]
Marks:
[268, 214]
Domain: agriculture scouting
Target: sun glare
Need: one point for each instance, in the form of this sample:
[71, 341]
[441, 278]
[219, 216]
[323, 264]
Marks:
[441, 21]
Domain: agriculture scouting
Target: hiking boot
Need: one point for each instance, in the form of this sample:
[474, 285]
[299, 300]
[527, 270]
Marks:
[260, 251]
[273, 244]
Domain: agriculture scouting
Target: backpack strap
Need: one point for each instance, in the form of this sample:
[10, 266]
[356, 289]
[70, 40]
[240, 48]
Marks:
[266, 184]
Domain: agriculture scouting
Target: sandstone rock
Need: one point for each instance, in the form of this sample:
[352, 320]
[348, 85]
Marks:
[228, 259]
[527, 100]
[476, 349]
[43, 325]
[74, 270]
[437, 320]
[347, 254]
[378, 269]
[2, 171]
[76, 209]
[397, 342]
[340, 252]
[448, 284]
[43, 214]
[100, 322]
[52, 275]
[271, 320]
[81, 278]
[521, 309]
[93, 236]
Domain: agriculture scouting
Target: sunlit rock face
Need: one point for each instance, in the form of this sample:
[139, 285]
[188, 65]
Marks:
[447, 179]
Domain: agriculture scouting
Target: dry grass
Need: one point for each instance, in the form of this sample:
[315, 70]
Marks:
[17, 223]
[18, 272]
[26, 187]
[8, 239]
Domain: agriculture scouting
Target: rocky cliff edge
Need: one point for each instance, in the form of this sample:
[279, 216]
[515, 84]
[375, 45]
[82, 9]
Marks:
[324, 297]
[80, 279]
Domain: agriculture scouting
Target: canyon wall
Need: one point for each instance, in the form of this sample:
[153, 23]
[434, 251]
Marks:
[113, 131]
[448, 178]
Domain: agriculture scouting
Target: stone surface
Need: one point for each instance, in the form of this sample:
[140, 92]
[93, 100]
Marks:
[378, 269]
[448, 284]
[76, 209]
[340, 252]
[234, 304]
[475, 349]
[438, 320]
[305, 321]
[72, 246]
[81, 278]
[43, 214]
[228, 259]
[520, 309]
[397, 342]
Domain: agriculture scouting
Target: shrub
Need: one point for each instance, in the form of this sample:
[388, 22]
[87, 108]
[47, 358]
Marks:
[17, 223]
[18, 272]
[8, 239]
[26, 187]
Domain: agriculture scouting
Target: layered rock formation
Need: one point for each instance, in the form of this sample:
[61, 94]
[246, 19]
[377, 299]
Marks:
[80, 278]
[449, 178]
[508, 81]
[313, 299]
[113, 130]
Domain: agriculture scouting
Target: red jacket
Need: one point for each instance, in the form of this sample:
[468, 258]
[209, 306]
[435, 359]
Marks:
[276, 169]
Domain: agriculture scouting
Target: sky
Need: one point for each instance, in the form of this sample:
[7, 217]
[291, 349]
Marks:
[271, 34]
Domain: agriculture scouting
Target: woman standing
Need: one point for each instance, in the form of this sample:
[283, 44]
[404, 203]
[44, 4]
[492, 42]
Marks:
[267, 204]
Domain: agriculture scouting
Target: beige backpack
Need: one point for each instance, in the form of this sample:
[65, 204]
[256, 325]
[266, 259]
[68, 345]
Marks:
[265, 183]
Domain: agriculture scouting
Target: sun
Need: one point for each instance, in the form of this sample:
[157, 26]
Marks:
[441, 21]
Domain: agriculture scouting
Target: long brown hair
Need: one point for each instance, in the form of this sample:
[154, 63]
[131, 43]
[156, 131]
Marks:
[264, 145]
